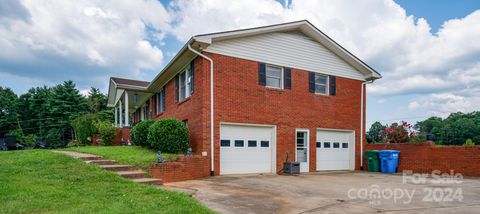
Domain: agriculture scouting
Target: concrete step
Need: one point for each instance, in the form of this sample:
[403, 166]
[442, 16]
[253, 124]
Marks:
[132, 174]
[151, 181]
[90, 157]
[102, 162]
[117, 168]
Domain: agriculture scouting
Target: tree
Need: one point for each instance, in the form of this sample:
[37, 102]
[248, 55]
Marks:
[84, 127]
[374, 134]
[453, 130]
[96, 100]
[8, 110]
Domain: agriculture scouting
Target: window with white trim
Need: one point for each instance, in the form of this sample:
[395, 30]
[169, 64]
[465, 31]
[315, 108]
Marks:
[274, 76]
[321, 84]
[160, 101]
[184, 84]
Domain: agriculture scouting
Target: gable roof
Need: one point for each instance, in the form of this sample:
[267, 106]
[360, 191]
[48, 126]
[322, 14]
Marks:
[202, 41]
[305, 27]
[130, 82]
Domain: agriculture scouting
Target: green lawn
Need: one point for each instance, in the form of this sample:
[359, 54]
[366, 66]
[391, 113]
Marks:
[40, 181]
[131, 155]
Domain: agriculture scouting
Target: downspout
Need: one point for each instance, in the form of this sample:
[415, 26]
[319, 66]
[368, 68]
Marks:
[211, 109]
[361, 120]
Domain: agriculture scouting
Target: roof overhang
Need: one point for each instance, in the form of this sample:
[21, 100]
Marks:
[200, 42]
[305, 27]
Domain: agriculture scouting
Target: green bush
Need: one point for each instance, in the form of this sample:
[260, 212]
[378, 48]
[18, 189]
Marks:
[84, 127]
[107, 132]
[468, 143]
[140, 133]
[54, 138]
[168, 136]
[73, 143]
[29, 140]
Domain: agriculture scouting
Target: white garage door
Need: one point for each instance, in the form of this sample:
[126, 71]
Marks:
[246, 149]
[335, 150]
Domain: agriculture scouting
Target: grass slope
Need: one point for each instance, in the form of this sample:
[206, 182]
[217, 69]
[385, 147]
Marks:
[40, 181]
[131, 155]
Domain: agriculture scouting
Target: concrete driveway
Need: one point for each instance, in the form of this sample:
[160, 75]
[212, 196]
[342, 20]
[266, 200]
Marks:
[348, 192]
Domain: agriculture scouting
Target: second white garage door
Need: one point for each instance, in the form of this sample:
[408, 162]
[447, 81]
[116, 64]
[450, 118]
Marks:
[246, 149]
[335, 150]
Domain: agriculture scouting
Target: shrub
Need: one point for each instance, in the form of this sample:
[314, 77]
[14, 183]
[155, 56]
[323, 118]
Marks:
[468, 143]
[29, 140]
[73, 143]
[398, 133]
[54, 138]
[168, 135]
[84, 127]
[107, 132]
[140, 133]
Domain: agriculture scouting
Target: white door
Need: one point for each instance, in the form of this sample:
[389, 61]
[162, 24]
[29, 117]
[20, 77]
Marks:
[302, 155]
[246, 149]
[335, 150]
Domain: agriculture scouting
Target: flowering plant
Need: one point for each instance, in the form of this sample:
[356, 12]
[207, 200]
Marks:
[398, 133]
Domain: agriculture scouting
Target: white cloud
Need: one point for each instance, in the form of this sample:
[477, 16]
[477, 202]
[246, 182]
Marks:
[82, 39]
[438, 67]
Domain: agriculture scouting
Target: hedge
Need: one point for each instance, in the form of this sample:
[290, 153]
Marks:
[169, 136]
[140, 133]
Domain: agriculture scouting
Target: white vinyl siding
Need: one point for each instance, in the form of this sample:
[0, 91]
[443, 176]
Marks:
[292, 49]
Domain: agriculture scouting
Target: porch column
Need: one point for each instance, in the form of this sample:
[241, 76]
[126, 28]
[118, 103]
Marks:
[120, 118]
[142, 113]
[116, 116]
[126, 110]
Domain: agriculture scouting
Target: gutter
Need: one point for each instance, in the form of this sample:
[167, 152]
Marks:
[212, 169]
[362, 120]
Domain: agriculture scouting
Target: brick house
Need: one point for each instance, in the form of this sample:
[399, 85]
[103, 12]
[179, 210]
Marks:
[283, 92]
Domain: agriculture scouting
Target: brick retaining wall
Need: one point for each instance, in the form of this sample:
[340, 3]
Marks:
[185, 168]
[426, 157]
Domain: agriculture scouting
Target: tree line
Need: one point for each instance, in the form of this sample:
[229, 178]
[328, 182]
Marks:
[47, 112]
[456, 129]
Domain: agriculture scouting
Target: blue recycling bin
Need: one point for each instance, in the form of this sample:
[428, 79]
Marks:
[388, 160]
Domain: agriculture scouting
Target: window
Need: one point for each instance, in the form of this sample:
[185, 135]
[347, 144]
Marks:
[326, 144]
[319, 145]
[336, 145]
[239, 143]
[264, 143]
[252, 143]
[161, 101]
[184, 80]
[225, 143]
[274, 76]
[321, 84]
[344, 145]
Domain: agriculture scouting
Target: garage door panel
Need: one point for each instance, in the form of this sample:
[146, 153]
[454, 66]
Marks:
[335, 150]
[253, 156]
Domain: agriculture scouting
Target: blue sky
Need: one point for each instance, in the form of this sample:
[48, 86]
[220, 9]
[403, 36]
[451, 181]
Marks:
[425, 50]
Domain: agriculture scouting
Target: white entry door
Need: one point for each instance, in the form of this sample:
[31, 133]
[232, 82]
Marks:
[335, 150]
[246, 149]
[302, 155]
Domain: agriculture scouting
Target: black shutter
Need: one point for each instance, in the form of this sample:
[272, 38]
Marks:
[262, 78]
[333, 85]
[163, 99]
[176, 88]
[311, 82]
[287, 76]
[192, 71]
